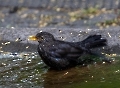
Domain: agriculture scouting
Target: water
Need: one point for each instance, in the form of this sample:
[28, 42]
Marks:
[26, 70]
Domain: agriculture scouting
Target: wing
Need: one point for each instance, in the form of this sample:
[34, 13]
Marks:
[67, 50]
[60, 55]
[64, 55]
[52, 59]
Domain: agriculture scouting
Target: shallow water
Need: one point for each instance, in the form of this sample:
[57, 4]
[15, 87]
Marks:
[26, 70]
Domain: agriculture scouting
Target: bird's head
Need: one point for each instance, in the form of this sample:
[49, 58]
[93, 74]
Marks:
[42, 36]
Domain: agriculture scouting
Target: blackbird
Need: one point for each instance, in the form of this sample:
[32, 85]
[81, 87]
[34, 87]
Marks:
[61, 55]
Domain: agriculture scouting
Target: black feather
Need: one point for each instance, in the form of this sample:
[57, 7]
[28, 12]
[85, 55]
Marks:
[61, 55]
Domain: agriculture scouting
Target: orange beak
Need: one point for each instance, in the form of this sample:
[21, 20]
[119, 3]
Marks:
[32, 38]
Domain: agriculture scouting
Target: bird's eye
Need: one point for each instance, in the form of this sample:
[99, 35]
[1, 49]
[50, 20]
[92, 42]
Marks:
[42, 37]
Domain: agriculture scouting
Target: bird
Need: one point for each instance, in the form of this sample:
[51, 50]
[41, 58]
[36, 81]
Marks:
[60, 55]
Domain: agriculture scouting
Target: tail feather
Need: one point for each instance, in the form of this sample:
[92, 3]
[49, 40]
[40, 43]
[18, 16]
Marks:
[94, 41]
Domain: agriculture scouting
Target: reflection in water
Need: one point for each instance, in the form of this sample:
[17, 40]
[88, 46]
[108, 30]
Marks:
[26, 70]
[55, 79]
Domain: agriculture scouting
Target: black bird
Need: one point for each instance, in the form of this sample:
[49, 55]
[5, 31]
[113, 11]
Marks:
[62, 54]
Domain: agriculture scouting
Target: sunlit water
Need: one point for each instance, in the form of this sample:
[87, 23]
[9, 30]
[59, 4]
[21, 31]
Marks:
[26, 70]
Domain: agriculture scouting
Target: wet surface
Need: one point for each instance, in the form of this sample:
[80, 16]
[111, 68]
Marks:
[28, 70]
[20, 70]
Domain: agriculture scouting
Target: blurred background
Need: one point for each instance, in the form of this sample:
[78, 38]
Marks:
[59, 13]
